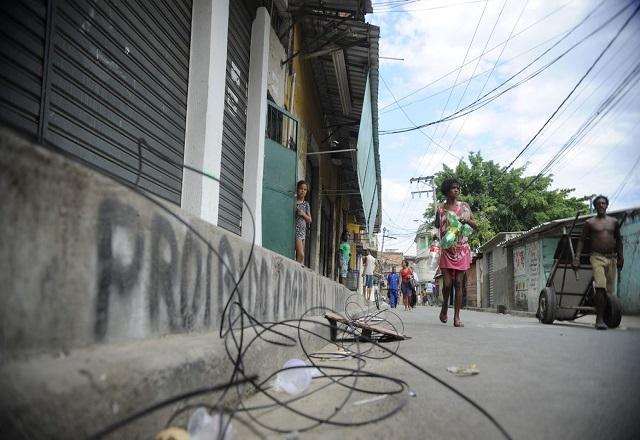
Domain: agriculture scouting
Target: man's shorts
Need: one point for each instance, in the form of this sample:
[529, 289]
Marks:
[605, 272]
[344, 266]
[368, 280]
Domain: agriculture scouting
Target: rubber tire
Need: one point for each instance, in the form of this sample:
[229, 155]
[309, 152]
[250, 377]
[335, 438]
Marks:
[377, 298]
[547, 306]
[613, 312]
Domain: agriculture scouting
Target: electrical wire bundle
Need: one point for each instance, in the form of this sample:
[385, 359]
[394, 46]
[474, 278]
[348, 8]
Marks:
[241, 332]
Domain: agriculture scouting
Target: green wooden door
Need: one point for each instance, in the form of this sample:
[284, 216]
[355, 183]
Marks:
[279, 183]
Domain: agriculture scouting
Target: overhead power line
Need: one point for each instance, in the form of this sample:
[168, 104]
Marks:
[612, 100]
[486, 81]
[486, 99]
[604, 51]
[411, 121]
[625, 180]
[490, 50]
[393, 8]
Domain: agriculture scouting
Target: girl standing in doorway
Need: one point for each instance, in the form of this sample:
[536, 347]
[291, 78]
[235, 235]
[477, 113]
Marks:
[303, 218]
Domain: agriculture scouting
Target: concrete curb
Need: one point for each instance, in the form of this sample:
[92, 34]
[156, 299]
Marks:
[508, 312]
[77, 394]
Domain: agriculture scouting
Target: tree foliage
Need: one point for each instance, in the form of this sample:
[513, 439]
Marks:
[506, 201]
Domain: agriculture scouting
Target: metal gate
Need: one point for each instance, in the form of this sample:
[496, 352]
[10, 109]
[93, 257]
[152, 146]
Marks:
[279, 182]
[110, 76]
[235, 117]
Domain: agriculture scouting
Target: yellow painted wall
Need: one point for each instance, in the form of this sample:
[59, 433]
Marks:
[307, 107]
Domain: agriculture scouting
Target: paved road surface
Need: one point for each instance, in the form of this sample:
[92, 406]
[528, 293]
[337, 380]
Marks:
[561, 381]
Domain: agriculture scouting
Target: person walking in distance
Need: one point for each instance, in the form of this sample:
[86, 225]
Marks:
[345, 256]
[407, 291]
[369, 267]
[303, 218]
[606, 255]
[393, 281]
[454, 261]
[414, 283]
[428, 297]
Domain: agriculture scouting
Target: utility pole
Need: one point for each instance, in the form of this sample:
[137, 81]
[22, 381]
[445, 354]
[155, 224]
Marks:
[430, 180]
[384, 234]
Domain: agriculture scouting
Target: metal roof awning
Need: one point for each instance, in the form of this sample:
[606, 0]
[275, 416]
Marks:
[557, 224]
[343, 52]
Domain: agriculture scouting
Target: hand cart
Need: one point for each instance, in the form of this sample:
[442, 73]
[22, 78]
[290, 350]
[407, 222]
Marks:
[569, 294]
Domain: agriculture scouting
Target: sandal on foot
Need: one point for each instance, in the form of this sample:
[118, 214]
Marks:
[443, 318]
[457, 323]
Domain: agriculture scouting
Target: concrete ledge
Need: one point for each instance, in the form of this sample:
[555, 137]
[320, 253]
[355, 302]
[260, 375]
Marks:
[87, 260]
[508, 312]
[111, 300]
[78, 394]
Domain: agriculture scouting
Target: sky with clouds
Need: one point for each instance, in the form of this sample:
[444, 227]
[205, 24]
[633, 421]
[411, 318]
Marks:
[456, 51]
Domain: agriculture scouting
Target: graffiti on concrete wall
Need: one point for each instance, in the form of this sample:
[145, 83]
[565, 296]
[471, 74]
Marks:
[180, 282]
[533, 274]
[520, 280]
[519, 267]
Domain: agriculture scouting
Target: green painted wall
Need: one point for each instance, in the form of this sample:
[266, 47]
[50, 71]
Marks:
[629, 282]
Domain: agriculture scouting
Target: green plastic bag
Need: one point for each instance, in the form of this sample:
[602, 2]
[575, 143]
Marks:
[466, 230]
[455, 228]
[448, 240]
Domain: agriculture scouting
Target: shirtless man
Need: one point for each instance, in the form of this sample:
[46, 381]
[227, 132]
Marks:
[606, 254]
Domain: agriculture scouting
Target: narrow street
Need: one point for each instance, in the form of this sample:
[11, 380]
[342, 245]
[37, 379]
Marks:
[565, 381]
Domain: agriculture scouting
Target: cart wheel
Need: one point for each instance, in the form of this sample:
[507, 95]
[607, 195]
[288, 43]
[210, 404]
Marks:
[613, 312]
[547, 306]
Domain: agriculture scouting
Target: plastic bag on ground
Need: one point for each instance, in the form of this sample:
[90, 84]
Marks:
[293, 380]
[203, 426]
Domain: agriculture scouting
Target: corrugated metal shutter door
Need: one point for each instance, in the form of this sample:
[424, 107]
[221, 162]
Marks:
[235, 117]
[118, 72]
[22, 36]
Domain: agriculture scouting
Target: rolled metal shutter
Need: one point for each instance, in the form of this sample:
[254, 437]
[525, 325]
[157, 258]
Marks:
[116, 73]
[22, 52]
[235, 117]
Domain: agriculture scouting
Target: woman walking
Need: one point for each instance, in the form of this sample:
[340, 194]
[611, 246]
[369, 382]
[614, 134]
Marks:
[454, 261]
[303, 218]
[407, 291]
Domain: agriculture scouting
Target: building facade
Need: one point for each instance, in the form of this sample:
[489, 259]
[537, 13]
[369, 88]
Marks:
[516, 268]
[216, 106]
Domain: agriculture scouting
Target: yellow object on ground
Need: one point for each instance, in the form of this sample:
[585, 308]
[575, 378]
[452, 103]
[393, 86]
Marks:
[173, 434]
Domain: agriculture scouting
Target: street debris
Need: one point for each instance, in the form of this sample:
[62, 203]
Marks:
[471, 370]
[173, 434]
[371, 400]
[293, 379]
[202, 426]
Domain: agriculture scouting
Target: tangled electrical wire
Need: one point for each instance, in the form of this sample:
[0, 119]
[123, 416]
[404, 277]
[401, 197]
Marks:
[240, 332]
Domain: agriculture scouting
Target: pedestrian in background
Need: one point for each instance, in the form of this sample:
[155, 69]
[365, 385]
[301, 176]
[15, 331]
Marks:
[369, 266]
[607, 255]
[414, 288]
[406, 275]
[345, 256]
[428, 298]
[303, 218]
[456, 260]
[393, 282]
